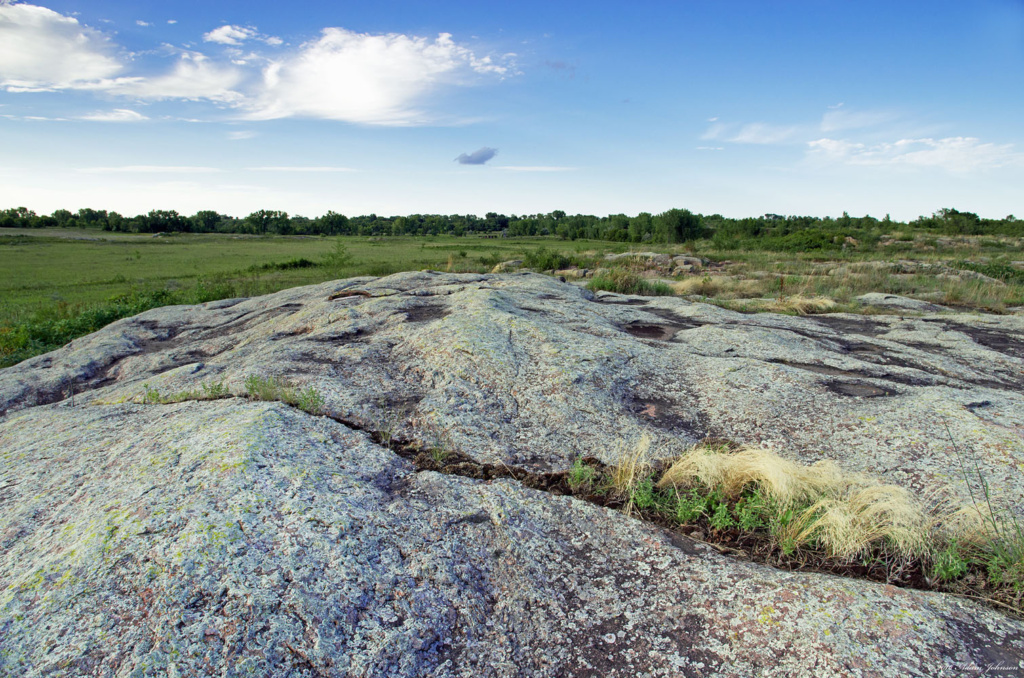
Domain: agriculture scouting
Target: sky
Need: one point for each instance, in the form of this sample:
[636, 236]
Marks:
[806, 107]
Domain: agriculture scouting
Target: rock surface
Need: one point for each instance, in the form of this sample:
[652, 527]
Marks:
[233, 537]
[897, 302]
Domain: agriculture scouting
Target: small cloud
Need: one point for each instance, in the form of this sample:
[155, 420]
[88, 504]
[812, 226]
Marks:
[239, 135]
[172, 21]
[837, 106]
[149, 169]
[710, 148]
[477, 157]
[140, 22]
[236, 35]
[116, 115]
[714, 119]
[534, 168]
[300, 169]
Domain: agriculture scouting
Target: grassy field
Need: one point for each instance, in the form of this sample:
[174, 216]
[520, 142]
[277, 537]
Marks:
[62, 283]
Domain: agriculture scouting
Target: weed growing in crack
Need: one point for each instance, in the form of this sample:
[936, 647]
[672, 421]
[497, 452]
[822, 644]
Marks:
[581, 477]
[271, 388]
[206, 391]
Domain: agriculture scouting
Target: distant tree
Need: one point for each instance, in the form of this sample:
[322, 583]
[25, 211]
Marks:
[332, 223]
[262, 222]
[62, 217]
[205, 221]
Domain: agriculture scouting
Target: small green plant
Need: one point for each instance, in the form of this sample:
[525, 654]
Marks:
[751, 511]
[643, 496]
[949, 564]
[581, 476]
[690, 505]
[151, 396]
[439, 455]
[721, 518]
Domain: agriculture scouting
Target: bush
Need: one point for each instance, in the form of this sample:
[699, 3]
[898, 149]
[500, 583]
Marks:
[622, 281]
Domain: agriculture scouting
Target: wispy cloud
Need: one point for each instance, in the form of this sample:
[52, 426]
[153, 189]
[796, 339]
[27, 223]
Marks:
[841, 119]
[477, 157]
[241, 135]
[534, 168]
[954, 154]
[142, 23]
[150, 169]
[116, 115]
[300, 169]
[750, 133]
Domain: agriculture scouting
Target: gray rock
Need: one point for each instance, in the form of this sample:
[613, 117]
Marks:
[240, 538]
[902, 303]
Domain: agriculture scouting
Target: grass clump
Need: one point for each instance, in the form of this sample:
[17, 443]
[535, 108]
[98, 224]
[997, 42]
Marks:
[273, 388]
[206, 391]
[622, 281]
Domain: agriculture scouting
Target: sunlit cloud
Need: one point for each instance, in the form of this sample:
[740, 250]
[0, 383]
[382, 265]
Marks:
[43, 50]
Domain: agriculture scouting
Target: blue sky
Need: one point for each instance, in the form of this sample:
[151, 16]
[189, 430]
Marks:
[740, 108]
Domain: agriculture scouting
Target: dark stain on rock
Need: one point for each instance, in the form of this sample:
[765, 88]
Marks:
[619, 301]
[859, 389]
[348, 336]
[837, 372]
[675, 320]
[425, 314]
[662, 414]
[996, 340]
[651, 331]
[863, 326]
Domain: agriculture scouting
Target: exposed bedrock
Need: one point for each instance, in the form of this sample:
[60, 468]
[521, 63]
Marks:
[233, 537]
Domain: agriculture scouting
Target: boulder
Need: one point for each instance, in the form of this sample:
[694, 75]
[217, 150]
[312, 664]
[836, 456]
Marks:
[893, 301]
[235, 537]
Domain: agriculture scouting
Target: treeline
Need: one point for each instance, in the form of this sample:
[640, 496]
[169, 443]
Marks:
[770, 231]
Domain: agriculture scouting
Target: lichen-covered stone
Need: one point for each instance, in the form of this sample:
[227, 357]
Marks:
[236, 538]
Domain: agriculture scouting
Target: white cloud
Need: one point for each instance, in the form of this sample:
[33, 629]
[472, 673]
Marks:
[361, 78]
[710, 148]
[149, 169]
[230, 35]
[140, 22]
[116, 115]
[239, 135]
[955, 154]
[41, 49]
[194, 77]
[236, 35]
[300, 169]
[172, 21]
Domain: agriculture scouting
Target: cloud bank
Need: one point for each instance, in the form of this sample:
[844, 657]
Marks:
[341, 75]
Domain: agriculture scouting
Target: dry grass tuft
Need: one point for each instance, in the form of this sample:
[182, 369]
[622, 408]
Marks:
[845, 514]
[633, 467]
[787, 482]
[704, 286]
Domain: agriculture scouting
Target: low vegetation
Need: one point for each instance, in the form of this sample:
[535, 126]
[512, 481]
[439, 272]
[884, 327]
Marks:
[273, 388]
[757, 504]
